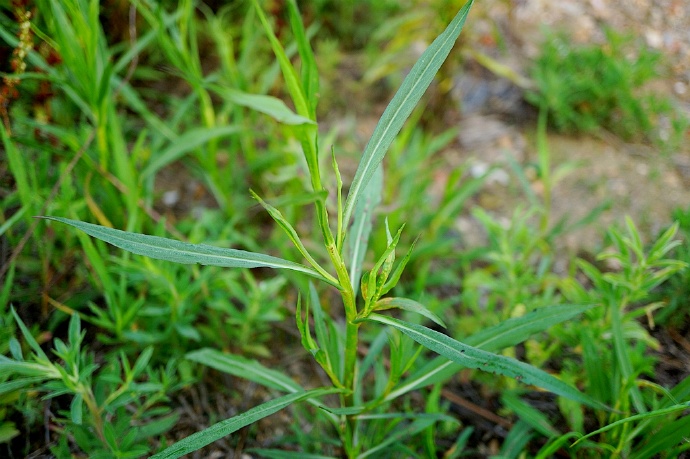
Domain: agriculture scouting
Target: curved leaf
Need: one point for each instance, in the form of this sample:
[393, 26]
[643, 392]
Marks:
[413, 87]
[471, 357]
[188, 141]
[518, 329]
[492, 339]
[244, 368]
[637, 417]
[162, 248]
[408, 305]
[268, 105]
[221, 429]
[358, 235]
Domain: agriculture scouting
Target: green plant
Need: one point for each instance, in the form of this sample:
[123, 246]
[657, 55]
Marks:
[352, 23]
[585, 88]
[70, 150]
[108, 405]
[612, 339]
[675, 292]
[335, 346]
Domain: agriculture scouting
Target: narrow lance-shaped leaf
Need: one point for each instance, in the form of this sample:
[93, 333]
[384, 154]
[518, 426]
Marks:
[517, 329]
[328, 341]
[322, 357]
[371, 290]
[268, 105]
[185, 143]
[228, 426]
[359, 233]
[413, 87]
[408, 305]
[183, 252]
[292, 80]
[294, 237]
[244, 368]
[509, 333]
[308, 342]
[637, 417]
[395, 276]
[471, 357]
[310, 71]
[307, 134]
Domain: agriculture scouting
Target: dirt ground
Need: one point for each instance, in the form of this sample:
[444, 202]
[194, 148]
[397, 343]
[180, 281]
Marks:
[633, 179]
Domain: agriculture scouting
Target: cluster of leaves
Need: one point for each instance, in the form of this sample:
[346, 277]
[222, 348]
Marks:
[125, 403]
[588, 87]
[158, 321]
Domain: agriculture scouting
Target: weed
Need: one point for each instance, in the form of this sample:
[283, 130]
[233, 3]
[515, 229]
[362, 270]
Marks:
[333, 347]
[340, 366]
[585, 88]
[156, 305]
[106, 404]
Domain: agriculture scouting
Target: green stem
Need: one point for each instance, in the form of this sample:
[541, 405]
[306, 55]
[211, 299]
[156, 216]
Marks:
[544, 166]
[351, 341]
[622, 354]
[90, 402]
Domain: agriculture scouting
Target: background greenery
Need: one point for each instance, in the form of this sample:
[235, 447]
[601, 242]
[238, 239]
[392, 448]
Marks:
[159, 118]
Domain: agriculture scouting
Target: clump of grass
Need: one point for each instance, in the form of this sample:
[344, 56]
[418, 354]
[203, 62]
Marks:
[589, 87]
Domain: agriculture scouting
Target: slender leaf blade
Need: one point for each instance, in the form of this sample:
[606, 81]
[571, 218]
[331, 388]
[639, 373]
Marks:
[221, 429]
[407, 304]
[472, 357]
[406, 98]
[669, 440]
[268, 105]
[19, 383]
[280, 454]
[359, 233]
[183, 252]
[188, 141]
[518, 329]
[327, 341]
[491, 339]
[637, 417]
[29, 338]
[528, 414]
[292, 80]
[310, 71]
[294, 237]
[244, 368]
[400, 434]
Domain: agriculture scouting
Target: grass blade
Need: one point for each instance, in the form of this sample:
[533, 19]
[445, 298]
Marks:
[250, 370]
[228, 426]
[492, 339]
[31, 341]
[279, 454]
[669, 441]
[182, 252]
[268, 105]
[516, 330]
[294, 237]
[472, 357]
[529, 415]
[399, 109]
[408, 305]
[310, 71]
[292, 80]
[637, 417]
[188, 141]
[399, 435]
